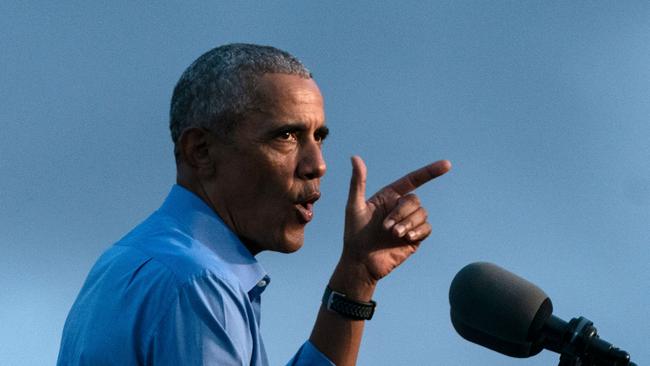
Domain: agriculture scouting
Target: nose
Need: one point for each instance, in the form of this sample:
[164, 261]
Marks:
[312, 164]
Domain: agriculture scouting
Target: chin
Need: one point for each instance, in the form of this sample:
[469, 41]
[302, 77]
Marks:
[290, 247]
[287, 242]
[291, 243]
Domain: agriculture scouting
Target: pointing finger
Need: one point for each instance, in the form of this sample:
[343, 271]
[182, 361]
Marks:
[357, 195]
[420, 176]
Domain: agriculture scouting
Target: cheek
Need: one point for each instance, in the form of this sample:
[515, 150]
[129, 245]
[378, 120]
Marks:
[276, 179]
[275, 229]
[264, 192]
[264, 184]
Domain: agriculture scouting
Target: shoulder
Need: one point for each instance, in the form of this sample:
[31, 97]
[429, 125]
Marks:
[169, 248]
[157, 277]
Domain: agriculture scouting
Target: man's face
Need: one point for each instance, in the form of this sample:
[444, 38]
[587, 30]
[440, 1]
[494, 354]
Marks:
[268, 177]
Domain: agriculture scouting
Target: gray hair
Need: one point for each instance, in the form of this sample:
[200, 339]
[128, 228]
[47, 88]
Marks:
[217, 89]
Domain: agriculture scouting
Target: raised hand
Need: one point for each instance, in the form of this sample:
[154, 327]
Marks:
[383, 231]
[380, 234]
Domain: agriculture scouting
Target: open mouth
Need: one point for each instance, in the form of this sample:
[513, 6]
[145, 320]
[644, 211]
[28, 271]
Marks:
[306, 207]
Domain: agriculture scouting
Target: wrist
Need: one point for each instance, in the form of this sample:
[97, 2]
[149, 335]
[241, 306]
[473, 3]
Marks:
[344, 306]
[353, 280]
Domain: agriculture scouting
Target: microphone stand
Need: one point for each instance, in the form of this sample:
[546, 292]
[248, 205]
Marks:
[578, 344]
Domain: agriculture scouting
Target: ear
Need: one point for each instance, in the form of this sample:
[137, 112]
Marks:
[193, 149]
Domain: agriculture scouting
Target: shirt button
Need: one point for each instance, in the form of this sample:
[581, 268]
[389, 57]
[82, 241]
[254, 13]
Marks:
[262, 283]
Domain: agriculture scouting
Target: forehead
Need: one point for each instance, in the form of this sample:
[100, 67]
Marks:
[286, 94]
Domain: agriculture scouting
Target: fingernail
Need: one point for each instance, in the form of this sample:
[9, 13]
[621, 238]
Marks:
[389, 223]
[411, 235]
[400, 229]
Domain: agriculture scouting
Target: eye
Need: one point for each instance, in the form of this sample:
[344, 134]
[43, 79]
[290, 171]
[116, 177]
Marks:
[320, 136]
[287, 136]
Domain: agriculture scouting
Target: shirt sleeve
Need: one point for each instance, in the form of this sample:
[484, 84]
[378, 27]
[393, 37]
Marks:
[206, 324]
[309, 355]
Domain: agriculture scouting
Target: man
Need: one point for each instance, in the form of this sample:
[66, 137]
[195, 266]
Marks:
[183, 288]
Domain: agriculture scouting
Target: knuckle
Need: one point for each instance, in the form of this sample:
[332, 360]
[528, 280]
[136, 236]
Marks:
[391, 194]
[416, 199]
[403, 199]
[412, 198]
[396, 215]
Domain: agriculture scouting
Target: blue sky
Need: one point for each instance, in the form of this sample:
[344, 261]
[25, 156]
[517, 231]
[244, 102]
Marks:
[542, 107]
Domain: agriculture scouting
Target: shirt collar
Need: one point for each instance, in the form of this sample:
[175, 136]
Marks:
[204, 225]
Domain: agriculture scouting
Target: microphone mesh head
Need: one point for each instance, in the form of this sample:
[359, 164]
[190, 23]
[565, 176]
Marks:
[498, 309]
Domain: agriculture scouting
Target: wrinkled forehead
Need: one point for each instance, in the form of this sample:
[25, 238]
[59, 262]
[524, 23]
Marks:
[283, 101]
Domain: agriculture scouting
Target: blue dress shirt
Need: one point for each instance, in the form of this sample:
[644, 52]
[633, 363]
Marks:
[180, 289]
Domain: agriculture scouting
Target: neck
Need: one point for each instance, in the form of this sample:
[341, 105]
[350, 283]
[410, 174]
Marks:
[195, 186]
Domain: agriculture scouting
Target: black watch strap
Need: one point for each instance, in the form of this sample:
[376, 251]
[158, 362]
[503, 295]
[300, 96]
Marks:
[340, 304]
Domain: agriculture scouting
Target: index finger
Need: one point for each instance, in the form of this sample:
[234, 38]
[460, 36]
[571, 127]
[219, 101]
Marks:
[420, 176]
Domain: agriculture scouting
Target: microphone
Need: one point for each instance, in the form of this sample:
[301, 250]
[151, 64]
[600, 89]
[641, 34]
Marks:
[505, 313]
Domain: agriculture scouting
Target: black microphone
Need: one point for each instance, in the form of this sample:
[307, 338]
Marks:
[505, 313]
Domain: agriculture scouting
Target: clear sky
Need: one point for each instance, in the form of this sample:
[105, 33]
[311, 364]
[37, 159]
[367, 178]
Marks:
[542, 106]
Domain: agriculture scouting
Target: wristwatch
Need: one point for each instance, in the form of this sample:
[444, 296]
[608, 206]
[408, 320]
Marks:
[340, 304]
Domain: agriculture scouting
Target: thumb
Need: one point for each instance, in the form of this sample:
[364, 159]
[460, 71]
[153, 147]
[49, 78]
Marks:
[357, 195]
